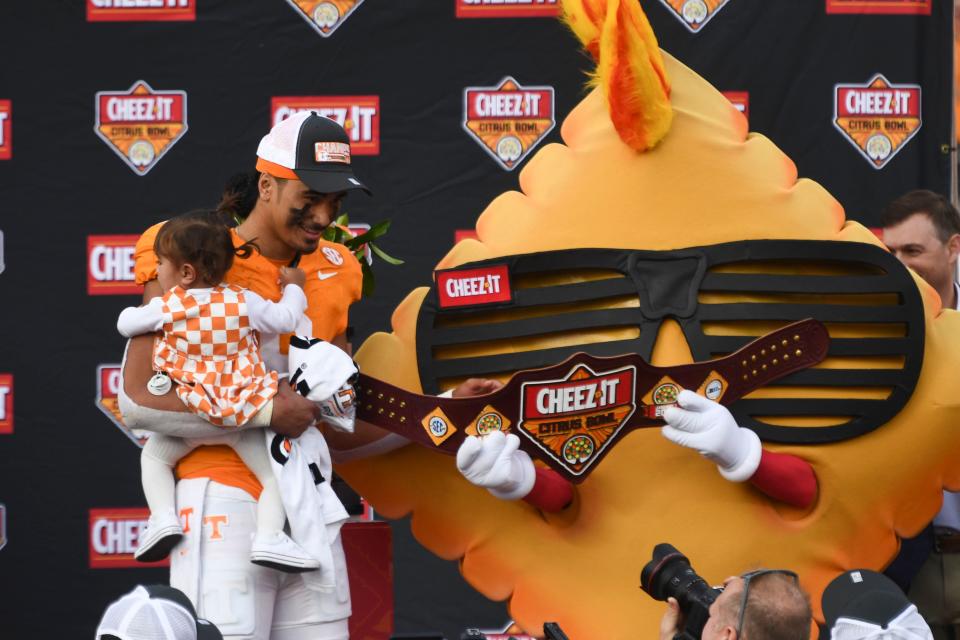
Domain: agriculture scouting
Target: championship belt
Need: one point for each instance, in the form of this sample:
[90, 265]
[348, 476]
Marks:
[571, 414]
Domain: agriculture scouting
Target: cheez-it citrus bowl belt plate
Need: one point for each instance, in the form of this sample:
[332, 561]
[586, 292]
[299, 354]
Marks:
[571, 414]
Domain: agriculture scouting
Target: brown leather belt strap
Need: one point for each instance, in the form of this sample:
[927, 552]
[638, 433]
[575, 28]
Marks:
[569, 415]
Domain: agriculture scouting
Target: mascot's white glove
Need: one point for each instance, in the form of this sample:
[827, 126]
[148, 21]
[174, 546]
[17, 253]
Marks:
[707, 426]
[496, 463]
[324, 373]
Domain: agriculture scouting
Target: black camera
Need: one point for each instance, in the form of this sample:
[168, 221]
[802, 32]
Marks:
[669, 574]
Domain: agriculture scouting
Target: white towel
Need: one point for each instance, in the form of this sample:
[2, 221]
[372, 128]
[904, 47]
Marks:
[314, 512]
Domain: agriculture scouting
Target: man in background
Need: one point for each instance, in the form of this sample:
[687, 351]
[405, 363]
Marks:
[922, 229]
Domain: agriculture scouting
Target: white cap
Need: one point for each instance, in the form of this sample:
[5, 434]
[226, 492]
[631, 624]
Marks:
[310, 148]
[155, 612]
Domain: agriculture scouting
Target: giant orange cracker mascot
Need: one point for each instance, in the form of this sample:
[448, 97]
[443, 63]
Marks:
[655, 159]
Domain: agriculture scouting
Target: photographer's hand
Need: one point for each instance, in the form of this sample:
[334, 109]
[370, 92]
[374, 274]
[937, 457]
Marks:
[670, 622]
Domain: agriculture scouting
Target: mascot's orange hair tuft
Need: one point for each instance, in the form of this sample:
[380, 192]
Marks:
[629, 67]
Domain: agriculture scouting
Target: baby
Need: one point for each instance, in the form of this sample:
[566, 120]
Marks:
[210, 351]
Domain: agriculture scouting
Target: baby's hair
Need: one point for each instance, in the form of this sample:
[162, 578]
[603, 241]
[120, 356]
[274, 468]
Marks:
[201, 238]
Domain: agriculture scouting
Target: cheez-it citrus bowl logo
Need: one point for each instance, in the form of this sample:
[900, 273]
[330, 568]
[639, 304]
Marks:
[6, 129]
[916, 7]
[114, 536]
[358, 115]
[141, 124]
[109, 379]
[6, 403]
[325, 16]
[110, 265]
[508, 120]
[878, 118]
[575, 418]
[513, 9]
[694, 14]
[141, 10]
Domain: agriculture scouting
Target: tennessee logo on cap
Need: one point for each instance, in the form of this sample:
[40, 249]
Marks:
[878, 118]
[114, 536]
[331, 152]
[508, 120]
[916, 7]
[141, 124]
[140, 11]
[6, 403]
[6, 129]
[740, 100]
[500, 9]
[109, 379]
[110, 265]
[694, 14]
[358, 115]
[325, 16]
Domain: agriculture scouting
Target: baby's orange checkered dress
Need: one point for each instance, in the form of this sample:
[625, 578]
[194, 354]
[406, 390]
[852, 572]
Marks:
[212, 353]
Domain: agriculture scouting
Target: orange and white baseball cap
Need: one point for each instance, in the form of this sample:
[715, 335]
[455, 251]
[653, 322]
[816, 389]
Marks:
[310, 148]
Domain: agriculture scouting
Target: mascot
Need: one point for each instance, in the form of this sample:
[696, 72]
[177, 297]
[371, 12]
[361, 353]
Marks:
[661, 227]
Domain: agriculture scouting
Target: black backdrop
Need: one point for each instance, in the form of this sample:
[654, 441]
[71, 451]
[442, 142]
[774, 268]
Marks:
[63, 184]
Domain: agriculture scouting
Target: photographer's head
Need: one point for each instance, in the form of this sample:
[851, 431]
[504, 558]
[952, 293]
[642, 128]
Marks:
[761, 605]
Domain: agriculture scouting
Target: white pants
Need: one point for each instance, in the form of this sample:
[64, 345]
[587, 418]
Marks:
[247, 602]
[161, 454]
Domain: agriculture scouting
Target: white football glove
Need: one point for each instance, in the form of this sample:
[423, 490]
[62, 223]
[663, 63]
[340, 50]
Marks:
[496, 463]
[340, 409]
[707, 426]
[324, 373]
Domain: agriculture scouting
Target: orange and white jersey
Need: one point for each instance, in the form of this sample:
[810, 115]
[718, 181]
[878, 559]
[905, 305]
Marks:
[209, 346]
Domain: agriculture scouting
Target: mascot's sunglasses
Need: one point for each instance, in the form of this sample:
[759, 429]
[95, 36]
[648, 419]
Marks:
[498, 316]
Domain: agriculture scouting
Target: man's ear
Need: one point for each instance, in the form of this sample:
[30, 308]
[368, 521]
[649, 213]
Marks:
[953, 247]
[266, 185]
[188, 275]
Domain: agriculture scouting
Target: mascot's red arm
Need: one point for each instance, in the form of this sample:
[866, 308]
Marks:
[780, 476]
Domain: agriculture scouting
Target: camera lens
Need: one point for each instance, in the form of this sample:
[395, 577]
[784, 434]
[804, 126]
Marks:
[669, 574]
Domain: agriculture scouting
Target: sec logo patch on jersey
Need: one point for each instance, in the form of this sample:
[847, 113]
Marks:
[333, 256]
